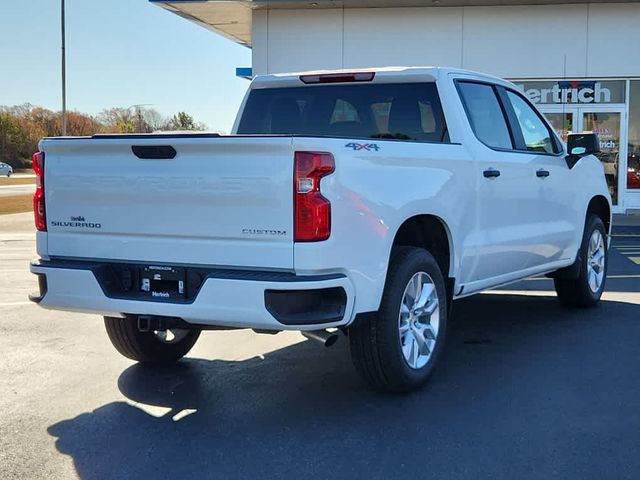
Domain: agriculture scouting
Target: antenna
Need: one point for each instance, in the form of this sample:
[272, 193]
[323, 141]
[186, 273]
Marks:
[343, 34]
[64, 69]
[564, 105]
[268, 15]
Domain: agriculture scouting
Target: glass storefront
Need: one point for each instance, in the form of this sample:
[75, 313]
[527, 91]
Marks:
[607, 126]
[633, 152]
[561, 122]
[602, 107]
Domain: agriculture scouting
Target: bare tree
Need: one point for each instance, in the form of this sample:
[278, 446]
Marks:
[154, 120]
[118, 120]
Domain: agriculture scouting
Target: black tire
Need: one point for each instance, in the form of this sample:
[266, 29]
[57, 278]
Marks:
[375, 341]
[147, 347]
[576, 292]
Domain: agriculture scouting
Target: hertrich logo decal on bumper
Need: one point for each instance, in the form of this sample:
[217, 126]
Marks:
[76, 222]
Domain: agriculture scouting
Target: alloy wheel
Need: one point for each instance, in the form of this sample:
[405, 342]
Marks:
[595, 261]
[419, 320]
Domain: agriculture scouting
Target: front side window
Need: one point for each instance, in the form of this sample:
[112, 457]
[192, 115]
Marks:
[537, 135]
[408, 111]
[485, 114]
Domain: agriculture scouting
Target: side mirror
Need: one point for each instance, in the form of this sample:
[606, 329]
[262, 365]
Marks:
[580, 145]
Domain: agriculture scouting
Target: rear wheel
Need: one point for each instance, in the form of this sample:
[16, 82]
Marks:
[152, 346]
[396, 348]
[587, 288]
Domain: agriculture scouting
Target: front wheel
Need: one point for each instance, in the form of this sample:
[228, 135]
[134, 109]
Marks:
[586, 289]
[150, 347]
[396, 348]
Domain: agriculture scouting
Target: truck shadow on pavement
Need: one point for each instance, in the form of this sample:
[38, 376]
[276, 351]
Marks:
[525, 389]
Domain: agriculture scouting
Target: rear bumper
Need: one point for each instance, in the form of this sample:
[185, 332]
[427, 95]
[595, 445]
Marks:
[240, 299]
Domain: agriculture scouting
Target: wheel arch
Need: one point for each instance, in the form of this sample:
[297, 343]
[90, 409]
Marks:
[599, 205]
[431, 233]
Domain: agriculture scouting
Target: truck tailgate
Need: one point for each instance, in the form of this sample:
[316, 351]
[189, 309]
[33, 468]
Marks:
[212, 204]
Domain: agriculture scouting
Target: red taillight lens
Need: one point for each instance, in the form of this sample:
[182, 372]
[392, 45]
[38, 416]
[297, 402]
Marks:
[39, 210]
[312, 212]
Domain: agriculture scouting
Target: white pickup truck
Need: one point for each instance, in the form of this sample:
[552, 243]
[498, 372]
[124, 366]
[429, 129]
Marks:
[359, 202]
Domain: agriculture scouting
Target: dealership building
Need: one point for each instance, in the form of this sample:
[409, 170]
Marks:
[579, 62]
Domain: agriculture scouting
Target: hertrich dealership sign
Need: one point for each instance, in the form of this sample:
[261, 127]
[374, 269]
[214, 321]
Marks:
[574, 91]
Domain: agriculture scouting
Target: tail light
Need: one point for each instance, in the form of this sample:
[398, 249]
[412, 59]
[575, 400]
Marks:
[312, 212]
[39, 210]
[338, 77]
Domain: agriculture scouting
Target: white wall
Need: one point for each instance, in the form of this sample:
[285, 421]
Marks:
[402, 36]
[292, 39]
[599, 40]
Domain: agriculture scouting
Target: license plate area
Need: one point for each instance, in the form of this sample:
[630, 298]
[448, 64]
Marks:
[163, 283]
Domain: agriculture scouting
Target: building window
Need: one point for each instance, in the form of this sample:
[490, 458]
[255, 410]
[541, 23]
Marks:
[633, 153]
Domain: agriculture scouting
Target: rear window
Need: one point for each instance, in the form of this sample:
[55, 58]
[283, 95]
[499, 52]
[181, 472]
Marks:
[407, 111]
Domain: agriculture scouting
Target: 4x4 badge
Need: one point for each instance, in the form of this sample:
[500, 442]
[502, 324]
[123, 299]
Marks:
[363, 146]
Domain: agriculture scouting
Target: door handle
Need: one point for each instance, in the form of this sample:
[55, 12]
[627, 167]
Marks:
[491, 173]
[542, 173]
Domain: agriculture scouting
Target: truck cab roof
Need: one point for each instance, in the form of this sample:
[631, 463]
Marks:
[376, 75]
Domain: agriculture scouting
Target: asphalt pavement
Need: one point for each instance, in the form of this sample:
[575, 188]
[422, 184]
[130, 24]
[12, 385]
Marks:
[526, 389]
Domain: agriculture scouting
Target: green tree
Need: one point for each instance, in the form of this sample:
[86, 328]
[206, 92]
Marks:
[184, 121]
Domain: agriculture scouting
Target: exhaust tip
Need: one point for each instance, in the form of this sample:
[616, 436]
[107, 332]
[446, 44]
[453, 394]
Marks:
[328, 339]
[331, 340]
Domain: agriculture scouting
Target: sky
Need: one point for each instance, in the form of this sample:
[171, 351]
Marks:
[119, 53]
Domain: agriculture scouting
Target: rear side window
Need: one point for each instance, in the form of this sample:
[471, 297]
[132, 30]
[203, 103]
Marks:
[408, 111]
[537, 135]
[485, 114]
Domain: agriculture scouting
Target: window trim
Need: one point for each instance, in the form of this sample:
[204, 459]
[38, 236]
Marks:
[519, 143]
[516, 124]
